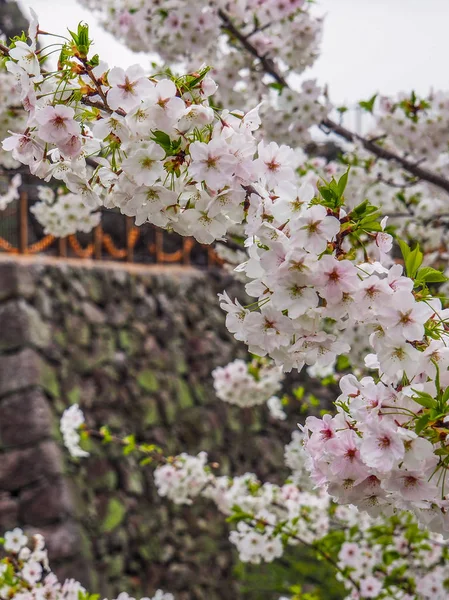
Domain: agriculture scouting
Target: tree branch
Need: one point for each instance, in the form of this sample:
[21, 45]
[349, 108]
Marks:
[371, 146]
[383, 153]
[267, 63]
[101, 106]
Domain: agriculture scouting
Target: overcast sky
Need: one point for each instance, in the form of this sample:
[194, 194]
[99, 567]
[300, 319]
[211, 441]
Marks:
[368, 45]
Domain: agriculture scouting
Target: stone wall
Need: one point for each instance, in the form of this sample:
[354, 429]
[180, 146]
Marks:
[135, 348]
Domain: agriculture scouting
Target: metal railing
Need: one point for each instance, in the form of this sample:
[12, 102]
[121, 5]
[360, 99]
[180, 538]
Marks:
[115, 238]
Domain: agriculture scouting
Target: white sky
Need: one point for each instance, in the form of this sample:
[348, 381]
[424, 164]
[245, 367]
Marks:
[368, 45]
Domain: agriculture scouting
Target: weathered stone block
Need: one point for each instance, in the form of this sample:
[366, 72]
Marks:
[19, 371]
[119, 313]
[101, 474]
[25, 417]
[44, 503]
[16, 280]
[22, 325]
[93, 314]
[9, 512]
[62, 540]
[22, 467]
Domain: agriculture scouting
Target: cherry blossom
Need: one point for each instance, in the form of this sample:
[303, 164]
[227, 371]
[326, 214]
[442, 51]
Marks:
[127, 87]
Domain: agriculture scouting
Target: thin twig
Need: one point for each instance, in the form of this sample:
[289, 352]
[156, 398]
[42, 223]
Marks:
[101, 106]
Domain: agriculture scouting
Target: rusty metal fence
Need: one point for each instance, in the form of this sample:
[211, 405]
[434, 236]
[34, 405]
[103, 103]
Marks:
[116, 238]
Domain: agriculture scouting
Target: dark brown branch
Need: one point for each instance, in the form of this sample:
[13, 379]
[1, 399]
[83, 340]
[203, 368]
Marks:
[266, 62]
[387, 155]
[371, 146]
[4, 50]
[101, 106]
[396, 184]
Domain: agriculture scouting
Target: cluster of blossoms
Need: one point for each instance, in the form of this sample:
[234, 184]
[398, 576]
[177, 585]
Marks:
[285, 31]
[12, 193]
[419, 561]
[302, 513]
[12, 114]
[271, 518]
[25, 573]
[247, 384]
[62, 214]
[288, 36]
[162, 154]
[416, 126]
[386, 446]
[290, 114]
[412, 128]
[183, 478]
[71, 422]
[303, 284]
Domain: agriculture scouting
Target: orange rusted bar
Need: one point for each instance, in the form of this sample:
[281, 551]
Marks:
[129, 226]
[111, 248]
[98, 241]
[159, 246]
[23, 223]
[62, 247]
[41, 245]
[103, 245]
[171, 257]
[7, 247]
[79, 251]
[187, 245]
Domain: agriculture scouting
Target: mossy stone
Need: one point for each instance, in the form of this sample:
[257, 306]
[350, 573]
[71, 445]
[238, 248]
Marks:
[115, 514]
[184, 396]
[147, 380]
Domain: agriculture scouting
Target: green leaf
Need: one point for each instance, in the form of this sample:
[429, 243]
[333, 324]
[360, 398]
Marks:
[414, 261]
[276, 86]
[424, 399]
[130, 442]
[430, 275]
[371, 225]
[421, 423]
[326, 193]
[368, 105]
[446, 395]
[162, 138]
[441, 451]
[94, 61]
[107, 437]
[343, 363]
[193, 80]
[404, 249]
[342, 183]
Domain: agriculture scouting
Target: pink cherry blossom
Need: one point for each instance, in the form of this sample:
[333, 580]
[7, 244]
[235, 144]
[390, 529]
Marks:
[56, 123]
[381, 447]
[127, 87]
[315, 229]
[212, 163]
